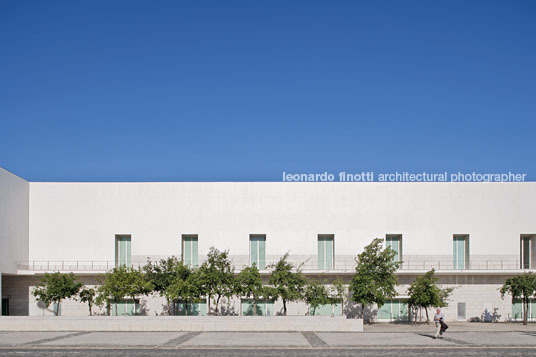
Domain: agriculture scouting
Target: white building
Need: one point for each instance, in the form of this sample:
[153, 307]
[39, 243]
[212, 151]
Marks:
[475, 235]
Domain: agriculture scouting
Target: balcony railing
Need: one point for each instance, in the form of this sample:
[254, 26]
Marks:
[346, 266]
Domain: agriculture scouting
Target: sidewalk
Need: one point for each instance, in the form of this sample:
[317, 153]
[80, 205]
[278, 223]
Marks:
[453, 327]
[377, 338]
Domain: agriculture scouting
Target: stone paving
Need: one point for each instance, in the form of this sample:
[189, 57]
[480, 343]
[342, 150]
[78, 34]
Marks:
[160, 341]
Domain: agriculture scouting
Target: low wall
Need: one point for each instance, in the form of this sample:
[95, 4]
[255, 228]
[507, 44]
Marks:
[180, 323]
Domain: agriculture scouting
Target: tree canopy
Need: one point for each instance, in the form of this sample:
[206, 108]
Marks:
[522, 287]
[249, 284]
[216, 276]
[55, 287]
[289, 284]
[120, 283]
[424, 293]
[315, 295]
[374, 280]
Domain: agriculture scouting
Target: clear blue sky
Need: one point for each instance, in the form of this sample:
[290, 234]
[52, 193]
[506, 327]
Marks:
[244, 90]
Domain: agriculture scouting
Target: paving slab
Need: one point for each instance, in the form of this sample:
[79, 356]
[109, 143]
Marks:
[248, 339]
[21, 338]
[116, 339]
[494, 338]
[338, 339]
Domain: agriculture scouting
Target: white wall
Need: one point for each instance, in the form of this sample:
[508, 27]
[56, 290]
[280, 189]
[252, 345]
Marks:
[78, 221]
[14, 203]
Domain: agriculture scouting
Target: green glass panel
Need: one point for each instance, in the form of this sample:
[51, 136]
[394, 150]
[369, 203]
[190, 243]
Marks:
[384, 312]
[203, 309]
[247, 307]
[187, 252]
[262, 253]
[526, 253]
[394, 244]
[404, 311]
[337, 309]
[128, 261]
[459, 252]
[122, 252]
[321, 255]
[395, 309]
[270, 308]
[194, 252]
[329, 254]
[253, 245]
[517, 310]
[124, 308]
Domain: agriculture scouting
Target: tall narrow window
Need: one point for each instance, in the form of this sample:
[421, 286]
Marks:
[527, 253]
[461, 311]
[394, 241]
[257, 250]
[325, 251]
[189, 250]
[122, 250]
[461, 251]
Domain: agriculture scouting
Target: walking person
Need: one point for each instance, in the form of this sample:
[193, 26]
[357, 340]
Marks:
[438, 318]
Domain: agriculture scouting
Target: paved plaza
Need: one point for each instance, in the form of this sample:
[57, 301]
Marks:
[377, 340]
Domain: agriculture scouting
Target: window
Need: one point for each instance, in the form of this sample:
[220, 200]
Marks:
[325, 251]
[126, 307]
[264, 307]
[394, 241]
[461, 251]
[327, 310]
[122, 250]
[257, 250]
[187, 308]
[394, 310]
[189, 250]
[517, 309]
[527, 254]
[461, 311]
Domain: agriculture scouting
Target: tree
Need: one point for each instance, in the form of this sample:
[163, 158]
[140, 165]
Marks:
[136, 283]
[289, 284]
[120, 283]
[315, 295]
[522, 287]
[187, 288]
[338, 292]
[87, 295]
[424, 293]
[55, 287]
[162, 274]
[249, 284]
[216, 276]
[374, 280]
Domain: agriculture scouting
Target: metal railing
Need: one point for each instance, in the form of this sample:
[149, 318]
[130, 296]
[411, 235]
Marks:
[346, 265]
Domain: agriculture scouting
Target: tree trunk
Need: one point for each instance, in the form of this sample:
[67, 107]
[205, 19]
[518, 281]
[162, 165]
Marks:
[363, 311]
[525, 310]
[284, 307]
[217, 303]
[90, 312]
[254, 305]
[208, 309]
[56, 313]
[427, 318]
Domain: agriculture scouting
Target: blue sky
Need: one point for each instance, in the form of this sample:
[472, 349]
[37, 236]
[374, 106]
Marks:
[244, 90]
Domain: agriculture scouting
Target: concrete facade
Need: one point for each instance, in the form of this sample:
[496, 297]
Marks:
[72, 227]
